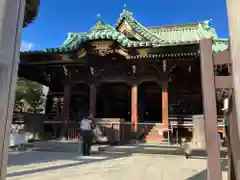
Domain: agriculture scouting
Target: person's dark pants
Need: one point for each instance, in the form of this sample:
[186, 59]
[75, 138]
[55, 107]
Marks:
[87, 138]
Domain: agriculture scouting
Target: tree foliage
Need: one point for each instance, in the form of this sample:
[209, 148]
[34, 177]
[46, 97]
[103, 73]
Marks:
[30, 93]
[31, 11]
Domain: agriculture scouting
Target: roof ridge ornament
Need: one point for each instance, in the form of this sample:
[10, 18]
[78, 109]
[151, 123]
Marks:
[99, 17]
[207, 23]
[100, 25]
[126, 12]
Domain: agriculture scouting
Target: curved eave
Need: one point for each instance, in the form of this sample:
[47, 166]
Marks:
[37, 57]
[76, 41]
[143, 44]
[31, 11]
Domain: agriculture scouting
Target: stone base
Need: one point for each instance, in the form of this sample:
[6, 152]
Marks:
[134, 141]
[198, 131]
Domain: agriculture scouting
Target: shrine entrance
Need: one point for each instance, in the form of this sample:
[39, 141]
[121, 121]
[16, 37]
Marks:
[79, 101]
[150, 102]
[113, 101]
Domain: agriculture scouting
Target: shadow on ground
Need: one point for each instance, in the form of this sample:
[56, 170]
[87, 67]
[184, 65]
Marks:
[36, 157]
[203, 174]
[110, 153]
[171, 150]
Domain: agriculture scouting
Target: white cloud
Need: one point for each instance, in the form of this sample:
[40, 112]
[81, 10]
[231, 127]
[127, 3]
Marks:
[26, 46]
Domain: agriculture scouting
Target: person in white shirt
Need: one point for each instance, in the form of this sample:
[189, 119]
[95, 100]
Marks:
[86, 127]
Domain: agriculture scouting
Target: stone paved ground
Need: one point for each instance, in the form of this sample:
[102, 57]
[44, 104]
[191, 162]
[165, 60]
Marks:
[68, 166]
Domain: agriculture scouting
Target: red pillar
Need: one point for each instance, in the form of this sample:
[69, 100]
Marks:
[165, 105]
[134, 107]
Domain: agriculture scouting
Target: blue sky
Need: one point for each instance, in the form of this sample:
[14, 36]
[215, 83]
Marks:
[58, 17]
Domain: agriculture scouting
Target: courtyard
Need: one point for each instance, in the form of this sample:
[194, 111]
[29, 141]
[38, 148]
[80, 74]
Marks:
[39, 165]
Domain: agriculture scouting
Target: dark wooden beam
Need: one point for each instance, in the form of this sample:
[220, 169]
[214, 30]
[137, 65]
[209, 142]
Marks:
[222, 58]
[223, 82]
[55, 62]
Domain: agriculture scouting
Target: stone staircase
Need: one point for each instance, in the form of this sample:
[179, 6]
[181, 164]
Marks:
[154, 134]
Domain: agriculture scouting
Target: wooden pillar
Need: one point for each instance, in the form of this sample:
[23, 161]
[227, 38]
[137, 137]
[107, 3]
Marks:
[210, 111]
[134, 107]
[92, 100]
[165, 105]
[66, 109]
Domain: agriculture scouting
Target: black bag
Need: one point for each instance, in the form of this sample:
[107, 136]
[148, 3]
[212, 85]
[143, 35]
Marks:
[93, 125]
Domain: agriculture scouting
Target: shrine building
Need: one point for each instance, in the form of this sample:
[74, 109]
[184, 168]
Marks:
[136, 73]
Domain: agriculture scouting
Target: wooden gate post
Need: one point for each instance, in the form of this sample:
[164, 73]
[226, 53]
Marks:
[210, 111]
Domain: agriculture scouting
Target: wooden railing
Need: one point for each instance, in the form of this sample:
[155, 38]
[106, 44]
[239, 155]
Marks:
[117, 130]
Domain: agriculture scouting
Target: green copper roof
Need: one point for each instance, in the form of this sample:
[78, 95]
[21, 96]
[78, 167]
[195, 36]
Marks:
[138, 28]
[220, 45]
[100, 31]
[187, 32]
[151, 36]
[191, 32]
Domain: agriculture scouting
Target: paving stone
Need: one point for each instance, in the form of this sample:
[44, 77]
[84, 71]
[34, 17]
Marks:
[68, 166]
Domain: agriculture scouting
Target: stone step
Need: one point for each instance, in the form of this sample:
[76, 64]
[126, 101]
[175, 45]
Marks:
[153, 136]
[155, 148]
[155, 141]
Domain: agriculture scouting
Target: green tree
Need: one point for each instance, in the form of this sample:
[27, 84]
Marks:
[31, 11]
[30, 93]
